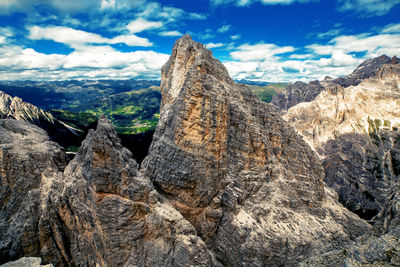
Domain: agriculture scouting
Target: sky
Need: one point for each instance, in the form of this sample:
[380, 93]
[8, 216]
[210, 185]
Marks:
[258, 40]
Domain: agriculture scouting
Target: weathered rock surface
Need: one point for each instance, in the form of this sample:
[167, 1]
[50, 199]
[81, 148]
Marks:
[16, 108]
[100, 211]
[301, 92]
[28, 160]
[250, 186]
[355, 132]
[26, 262]
[297, 93]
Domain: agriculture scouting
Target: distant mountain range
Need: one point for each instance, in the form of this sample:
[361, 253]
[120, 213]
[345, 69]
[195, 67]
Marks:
[71, 93]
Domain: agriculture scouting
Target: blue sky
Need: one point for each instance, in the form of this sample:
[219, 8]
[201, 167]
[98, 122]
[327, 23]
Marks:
[263, 40]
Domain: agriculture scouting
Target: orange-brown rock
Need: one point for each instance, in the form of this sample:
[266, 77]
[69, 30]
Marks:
[251, 187]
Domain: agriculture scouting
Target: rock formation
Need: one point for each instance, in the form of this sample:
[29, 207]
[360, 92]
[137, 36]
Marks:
[26, 262]
[233, 168]
[301, 92]
[355, 131]
[227, 182]
[100, 210]
[15, 108]
[354, 125]
[28, 161]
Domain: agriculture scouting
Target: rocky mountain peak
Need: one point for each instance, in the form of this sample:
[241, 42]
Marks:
[105, 163]
[235, 170]
[186, 54]
[301, 92]
[16, 108]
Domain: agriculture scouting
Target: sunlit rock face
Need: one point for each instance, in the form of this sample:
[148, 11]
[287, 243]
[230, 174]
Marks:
[355, 130]
[305, 92]
[245, 180]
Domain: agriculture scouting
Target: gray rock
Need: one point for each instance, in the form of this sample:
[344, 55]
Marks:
[301, 92]
[363, 170]
[26, 262]
[237, 172]
[28, 161]
[297, 93]
[16, 108]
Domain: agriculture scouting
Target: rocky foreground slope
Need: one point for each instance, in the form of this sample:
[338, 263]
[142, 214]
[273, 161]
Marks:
[227, 182]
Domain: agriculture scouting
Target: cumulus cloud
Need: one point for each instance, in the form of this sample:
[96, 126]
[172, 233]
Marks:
[269, 62]
[155, 10]
[140, 24]
[248, 52]
[214, 45]
[171, 33]
[235, 37]
[76, 38]
[264, 2]
[88, 62]
[392, 28]
[367, 8]
[5, 32]
[224, 28]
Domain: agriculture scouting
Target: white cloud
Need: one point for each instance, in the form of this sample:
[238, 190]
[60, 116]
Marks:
[235, 37]
[76, 38]
[2, 40]
[88, 62]
[264, 2]
[269, 62]
[140, 24]
[392, 28]
[64, 35]
[367, 8]
[300, 56]
[130, 40]
[214, 45]
[224, 28]
[330, 33]
[373, 45]
[155, 10]
[171, 33]
[321, 49]
[5, 32]
[256, 52]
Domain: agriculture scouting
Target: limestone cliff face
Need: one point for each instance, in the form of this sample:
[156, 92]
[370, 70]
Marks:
[16, 108]
[28, 160]
[372, 105]
[251, 187]
[355, 131]
[301, 92]
[99, 211]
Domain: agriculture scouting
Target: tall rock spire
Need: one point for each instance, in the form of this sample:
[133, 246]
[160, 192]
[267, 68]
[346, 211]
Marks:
[236, 170]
